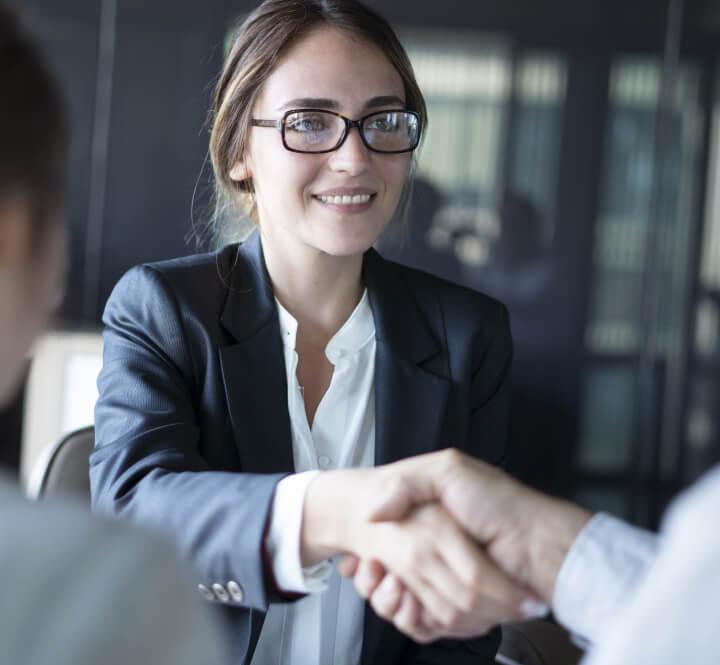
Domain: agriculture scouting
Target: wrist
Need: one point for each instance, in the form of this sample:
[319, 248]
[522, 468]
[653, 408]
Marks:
[321, 534]
[553, 532]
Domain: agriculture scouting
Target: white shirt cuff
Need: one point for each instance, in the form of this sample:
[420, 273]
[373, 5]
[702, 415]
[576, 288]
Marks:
[604, 565]
[283, 538]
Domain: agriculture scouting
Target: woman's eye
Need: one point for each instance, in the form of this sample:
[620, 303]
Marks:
[307, 124]
[385, 123]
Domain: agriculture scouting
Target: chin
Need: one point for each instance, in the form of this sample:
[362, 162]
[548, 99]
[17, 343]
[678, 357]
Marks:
[349, 241]
[344, 246]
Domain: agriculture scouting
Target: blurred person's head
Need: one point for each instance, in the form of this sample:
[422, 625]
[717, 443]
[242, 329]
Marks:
[33, 147]
[334, 55]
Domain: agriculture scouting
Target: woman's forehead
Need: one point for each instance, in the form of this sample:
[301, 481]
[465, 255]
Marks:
[332, 65]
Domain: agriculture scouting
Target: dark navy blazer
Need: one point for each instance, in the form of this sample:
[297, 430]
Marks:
[192, 424]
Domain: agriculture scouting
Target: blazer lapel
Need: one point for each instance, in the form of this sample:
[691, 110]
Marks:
[253, 368]
[411, 393]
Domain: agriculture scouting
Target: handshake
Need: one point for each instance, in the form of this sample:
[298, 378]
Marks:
[442, 545]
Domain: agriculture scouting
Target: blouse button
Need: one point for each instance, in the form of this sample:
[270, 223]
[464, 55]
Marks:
[324, 461]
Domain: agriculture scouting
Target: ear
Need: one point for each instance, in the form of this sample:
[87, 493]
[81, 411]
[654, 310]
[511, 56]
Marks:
[239, 171]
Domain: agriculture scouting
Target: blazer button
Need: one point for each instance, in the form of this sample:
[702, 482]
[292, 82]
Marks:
[206, 593]
[221, 593]
[236, 591]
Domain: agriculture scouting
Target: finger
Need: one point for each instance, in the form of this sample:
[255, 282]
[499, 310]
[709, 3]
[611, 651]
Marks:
[398, 497]
[408, 620]
[386, 599]
[428, 582]
[485, 581]
[475, 575]
[409, 550]
[348, 565]
[369, 575]
[442, 592]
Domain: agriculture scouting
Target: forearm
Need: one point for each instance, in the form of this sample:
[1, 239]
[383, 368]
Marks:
[217, 520]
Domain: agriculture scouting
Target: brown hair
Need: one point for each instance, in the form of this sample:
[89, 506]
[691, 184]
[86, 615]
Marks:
[34, 132]
[257, 46]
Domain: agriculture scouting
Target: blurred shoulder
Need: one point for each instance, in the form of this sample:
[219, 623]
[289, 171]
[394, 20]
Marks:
[65, 529]
[112, 593]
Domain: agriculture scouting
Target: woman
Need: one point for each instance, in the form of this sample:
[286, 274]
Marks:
[302, 349]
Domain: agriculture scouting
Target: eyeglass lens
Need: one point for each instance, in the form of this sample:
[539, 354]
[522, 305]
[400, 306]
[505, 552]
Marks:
[319, 131]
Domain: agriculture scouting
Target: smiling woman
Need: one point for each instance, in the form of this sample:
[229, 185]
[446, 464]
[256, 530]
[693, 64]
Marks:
[236, 386]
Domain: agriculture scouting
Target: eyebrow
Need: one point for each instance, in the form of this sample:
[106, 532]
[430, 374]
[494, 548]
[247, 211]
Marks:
[332, 105]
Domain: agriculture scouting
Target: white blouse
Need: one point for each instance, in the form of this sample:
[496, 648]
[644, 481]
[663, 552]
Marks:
[325, 627]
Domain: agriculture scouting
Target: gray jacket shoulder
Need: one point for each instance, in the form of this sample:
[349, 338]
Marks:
[80, 590]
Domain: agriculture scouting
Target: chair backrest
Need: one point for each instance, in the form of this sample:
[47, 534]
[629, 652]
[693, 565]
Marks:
[61, 391]
[64, 468]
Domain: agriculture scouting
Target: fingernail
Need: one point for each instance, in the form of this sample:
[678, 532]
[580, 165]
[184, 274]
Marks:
[533, 609]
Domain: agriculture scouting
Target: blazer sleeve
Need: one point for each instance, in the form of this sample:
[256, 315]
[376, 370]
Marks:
[146, 466]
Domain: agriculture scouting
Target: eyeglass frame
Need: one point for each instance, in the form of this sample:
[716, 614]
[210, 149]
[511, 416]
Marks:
[349, 124]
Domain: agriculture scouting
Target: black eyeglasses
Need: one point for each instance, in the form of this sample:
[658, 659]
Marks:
[319, 130]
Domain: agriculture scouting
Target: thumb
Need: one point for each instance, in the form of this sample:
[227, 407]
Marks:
[408, 484]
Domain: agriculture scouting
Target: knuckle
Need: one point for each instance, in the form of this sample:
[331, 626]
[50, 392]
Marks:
[450, 618]
[466, 601]
[404, 625]
[453, 457]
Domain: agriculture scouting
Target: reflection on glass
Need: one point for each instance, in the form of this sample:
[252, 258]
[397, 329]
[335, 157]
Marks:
[702, 427]
[495, 125]
[626, 203]
[606, 430]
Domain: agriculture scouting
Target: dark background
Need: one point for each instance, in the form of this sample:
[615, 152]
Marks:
[138, 76]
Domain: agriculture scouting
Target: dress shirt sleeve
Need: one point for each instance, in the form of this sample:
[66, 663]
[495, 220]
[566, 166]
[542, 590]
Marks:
[673, 616]
[600, 573]
[283, 538]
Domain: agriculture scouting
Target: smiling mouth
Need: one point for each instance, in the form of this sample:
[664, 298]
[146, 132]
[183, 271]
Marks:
[345, 200]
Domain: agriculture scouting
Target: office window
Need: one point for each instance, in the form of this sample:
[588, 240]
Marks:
[626, 204]
[495, 127]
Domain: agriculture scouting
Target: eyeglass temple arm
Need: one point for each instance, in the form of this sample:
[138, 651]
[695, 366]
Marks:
[266, 123]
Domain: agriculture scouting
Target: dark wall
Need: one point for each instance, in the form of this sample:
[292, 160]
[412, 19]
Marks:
[131, 189]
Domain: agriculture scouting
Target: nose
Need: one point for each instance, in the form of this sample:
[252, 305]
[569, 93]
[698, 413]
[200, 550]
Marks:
[352, 157]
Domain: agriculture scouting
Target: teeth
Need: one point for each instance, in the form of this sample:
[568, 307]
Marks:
[345, 200]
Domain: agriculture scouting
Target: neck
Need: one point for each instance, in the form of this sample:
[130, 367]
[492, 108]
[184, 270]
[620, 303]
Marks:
[319, 290]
